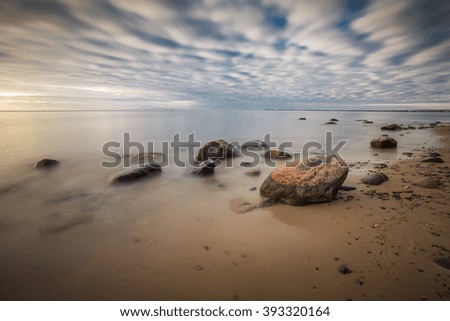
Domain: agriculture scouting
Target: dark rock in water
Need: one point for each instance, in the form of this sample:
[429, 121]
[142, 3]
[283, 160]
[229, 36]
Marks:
[246, 164]
[240, 206]
[385, 142]
[205, 168]
[432, 160]
[343, 269]
[426, 182]
[267, 202]
[253, 188]
[330, 123]
[367, 122]
[253, 172]
[435, 154]
[313, 180]
[391, 127]
[256, 144]
[131, 174]
[302, 118]
[47, 163]
[409, 154]
[216, 149]
[408, 127]
[334, 119]
[142, 159]
[443, 261]
[374, 179]
[277, 154]
[347, 188]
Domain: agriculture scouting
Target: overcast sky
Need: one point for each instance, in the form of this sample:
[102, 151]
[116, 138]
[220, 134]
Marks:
[239, 54]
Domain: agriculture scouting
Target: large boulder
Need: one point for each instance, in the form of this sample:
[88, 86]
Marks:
[205, 168]
[313, 180]
[216, 149]
[391, 127]
[133, 173]
[384, 142]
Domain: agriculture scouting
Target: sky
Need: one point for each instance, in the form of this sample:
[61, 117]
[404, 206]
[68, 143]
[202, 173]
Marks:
[224, 54]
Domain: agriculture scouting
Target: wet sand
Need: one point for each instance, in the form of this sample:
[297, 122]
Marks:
[145, 242]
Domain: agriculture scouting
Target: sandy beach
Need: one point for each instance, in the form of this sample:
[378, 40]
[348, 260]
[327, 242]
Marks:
[121, 243]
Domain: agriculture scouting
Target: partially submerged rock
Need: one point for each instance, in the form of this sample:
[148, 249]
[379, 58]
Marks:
[142, 159]
[205, 168]
[277, 154]
[330, 123]
[334, 119]
[367, 122]
[384, 142]
[267, 202]
[313, 180]
[302, 118]
[47, 163]
[134, 173]
[255, 144]
[426, 182]
[374, 179]
[216, 149]
[253, 172]
[391, 127]
[240, 206]
[442, 261]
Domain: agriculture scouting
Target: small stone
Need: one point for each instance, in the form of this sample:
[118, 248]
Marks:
[253, 188]
[432, 160]
[253, 172]
[47, 163]
[343, 269]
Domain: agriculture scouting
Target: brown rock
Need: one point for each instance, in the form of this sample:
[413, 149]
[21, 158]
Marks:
[216, 149]
[385, 142]
[134, 173]
[426, 182]
[391, 127]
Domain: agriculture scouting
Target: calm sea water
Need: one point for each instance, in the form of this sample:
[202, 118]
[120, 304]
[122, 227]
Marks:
[65, 233]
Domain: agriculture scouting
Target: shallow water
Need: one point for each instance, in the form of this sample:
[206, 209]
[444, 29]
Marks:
[66, 234]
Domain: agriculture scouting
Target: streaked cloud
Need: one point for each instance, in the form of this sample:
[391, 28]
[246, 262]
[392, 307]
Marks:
[240, 54]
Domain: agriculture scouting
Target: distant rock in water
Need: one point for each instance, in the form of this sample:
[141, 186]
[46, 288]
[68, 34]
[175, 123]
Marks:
[205, 168]
[432, 160]
[426, 182]
[374, 179]
[313, 180]
[391, 127]
[253, 172]
[330, 123]
[434, 154]
[47, 163]
[247, 164]
[367, 122]
[134, 173]
[385, 142]
[256, 144]
[302, 118]
[277, 154]
[334, 119]
[216, 149]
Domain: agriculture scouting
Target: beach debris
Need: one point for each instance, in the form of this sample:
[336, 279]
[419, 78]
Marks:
[391, 127]
[133, 173]
[47, 163]
[277, 154]
[241, 206]
[343, 269]
[216, 149]
[374, 179]
[256, 144]
[426, 182]
[313, 180]
[442, 261]
[432, 160]
[253, 172]
[385, 142]
[205, 168]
